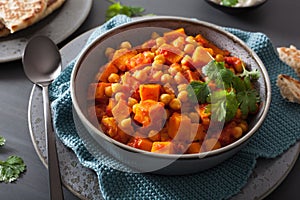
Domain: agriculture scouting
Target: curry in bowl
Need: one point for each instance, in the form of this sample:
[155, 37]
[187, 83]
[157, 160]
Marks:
[173, 94]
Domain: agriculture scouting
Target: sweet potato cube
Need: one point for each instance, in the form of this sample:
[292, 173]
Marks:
[122, 136]
[150, 113]
[97, 91]
[198, 132]
[171, 53]
[141, 143]
[179, 127]
[162, 147]
[121, 111]
[121, 57]
[109, 126]
[108, 70]
[172, 35]
[206, 43]
[149, 91]
[194, 147]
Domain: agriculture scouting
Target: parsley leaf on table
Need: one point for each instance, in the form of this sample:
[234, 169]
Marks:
[117, 8]
[11, 169]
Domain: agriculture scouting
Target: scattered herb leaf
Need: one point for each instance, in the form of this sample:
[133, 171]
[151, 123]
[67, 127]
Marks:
[2, 141]
[117, 8]
[11, 169]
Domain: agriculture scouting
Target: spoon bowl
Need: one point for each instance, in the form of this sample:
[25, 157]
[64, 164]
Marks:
[42, 64]
[41, 60]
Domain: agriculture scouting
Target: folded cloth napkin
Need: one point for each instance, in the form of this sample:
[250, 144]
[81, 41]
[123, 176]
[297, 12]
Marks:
[280, 130]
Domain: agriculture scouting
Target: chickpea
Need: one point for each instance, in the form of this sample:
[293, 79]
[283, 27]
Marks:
[181, 87]
[119, 96]
[113, 78]
[179, 78]
[244, 126]
[132, 102]
[157, 75]
[174, 68]
[126, 123]
[189, 49]
[125, 45]
[160, 59]
[165, 98]
[160, 41]
[219, 58]
[157, 65]
[175, 104]
[237, 132]
[179, 43]
[116, 87]
[140, 75]
[183, 96]
[109, 52]
[108, 91]
[191, 40]
[165, 78]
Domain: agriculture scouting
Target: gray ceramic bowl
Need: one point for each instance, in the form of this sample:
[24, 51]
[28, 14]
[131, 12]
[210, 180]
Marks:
[137, 32]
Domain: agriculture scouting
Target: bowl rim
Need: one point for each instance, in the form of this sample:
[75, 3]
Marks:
[209, 25]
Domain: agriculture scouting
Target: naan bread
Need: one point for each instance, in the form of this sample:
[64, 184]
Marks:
[290, 56]
[16, 15]
[289, 88]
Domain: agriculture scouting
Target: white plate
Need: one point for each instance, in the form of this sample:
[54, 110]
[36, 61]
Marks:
[266, 176]
[58, 26]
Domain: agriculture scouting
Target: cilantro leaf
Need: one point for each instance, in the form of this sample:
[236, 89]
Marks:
[199, 90]
[229, 2]
[248, 100]
[11, 169]
[2, 141]
[252, 75]
[223, 105]
[117, 8]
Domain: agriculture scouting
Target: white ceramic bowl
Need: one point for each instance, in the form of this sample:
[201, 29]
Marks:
[138, 31]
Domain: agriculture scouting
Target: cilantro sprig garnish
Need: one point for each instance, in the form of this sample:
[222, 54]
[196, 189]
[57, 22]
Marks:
[11, 168]
[232, 92]
[117, 8]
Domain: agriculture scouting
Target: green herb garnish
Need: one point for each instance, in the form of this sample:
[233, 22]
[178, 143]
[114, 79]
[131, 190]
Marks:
[2, 141]
[10, 169]
[232, 92]
[229, 2]
[198, 91]
[117, 8]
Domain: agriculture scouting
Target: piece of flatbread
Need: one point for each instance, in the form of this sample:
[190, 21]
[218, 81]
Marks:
[16, 15]
[290, 56]
[289, 88]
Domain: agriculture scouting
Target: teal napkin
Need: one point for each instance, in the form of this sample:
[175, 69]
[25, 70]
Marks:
[279, 132]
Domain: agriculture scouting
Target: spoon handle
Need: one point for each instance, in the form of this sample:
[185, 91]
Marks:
[56, 192]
